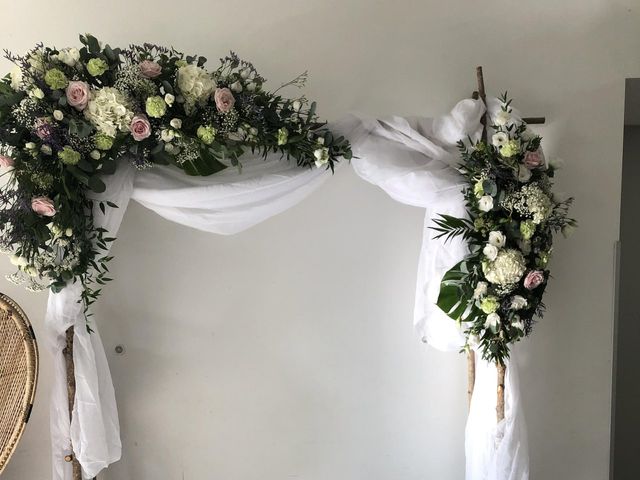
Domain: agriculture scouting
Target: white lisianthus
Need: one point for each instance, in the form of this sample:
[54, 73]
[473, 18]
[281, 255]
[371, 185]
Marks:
[490, 251]
[167, 135]
[236, 87]
[195, 84]
[497, 239]
[518, 302]
[506, 269]
[502, 118]
[517, 323]
[16, 78]
[169, 99]
[58, 115]
[485, 203]
[524, 174]
[18, 261]
[499, 139]
[493, 319]
[176, 123]
[95, 154]
[108, 111]
[322, 156]
[69, 56]
[480, 290]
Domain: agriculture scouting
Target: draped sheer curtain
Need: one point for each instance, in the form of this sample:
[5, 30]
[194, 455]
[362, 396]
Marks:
[413, 160]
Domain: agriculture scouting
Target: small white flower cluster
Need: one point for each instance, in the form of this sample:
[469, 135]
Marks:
[108, 110]
[530, 201]
[321, 153]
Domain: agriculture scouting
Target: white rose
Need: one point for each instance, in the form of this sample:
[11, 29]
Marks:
[58, 115]
[485, 203]
[69, 56]
[497, 239]
[480, 290]
[518, 302]
[524, 174]
[236, 87]
[499, 139]
[167, 135]
[169, 99]
[37, 93]
[493, 319]
[490, 251]
[176, 123]
[502, 118]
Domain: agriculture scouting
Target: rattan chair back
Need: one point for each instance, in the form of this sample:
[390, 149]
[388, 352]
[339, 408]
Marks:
[18, 375]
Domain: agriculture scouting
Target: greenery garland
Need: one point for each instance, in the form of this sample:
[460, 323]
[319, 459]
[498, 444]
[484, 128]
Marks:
[67, 116]
[495, 293]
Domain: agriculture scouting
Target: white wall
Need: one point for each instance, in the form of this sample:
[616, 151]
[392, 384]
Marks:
[287, 351]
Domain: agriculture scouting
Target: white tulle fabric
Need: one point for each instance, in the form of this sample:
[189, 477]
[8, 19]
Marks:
[413, 160]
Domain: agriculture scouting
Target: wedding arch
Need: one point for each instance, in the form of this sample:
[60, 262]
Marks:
[80, 130]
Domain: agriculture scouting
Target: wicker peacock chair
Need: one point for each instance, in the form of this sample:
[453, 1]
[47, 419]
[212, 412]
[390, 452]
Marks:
[18, 375]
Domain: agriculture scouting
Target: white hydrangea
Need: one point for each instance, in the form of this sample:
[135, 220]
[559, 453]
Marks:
[506, 269]
[530, 201]
[108, 110]
[195, 84]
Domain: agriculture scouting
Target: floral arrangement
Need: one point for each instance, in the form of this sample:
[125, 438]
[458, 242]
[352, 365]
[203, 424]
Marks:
[67, 116]
[496, 292]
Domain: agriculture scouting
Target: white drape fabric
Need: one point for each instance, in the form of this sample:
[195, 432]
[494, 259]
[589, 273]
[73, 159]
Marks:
[226, 203]
[413, 160]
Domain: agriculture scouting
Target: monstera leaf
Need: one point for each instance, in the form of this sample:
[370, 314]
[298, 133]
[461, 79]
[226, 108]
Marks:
[456, 297]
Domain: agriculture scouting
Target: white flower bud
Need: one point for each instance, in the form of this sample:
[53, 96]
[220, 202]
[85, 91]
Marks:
[169, 99]
[167, 135]
[236, 87]
[68, 232]
[95, 154]
[37, 93]
[245, 73]
[58, 115]
[30, 146]
[176, 123]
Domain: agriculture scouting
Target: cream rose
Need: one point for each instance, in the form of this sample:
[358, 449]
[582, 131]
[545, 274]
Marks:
[224, 99]
[78, 95]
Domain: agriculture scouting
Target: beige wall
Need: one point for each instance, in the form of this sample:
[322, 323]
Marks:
[287, 351]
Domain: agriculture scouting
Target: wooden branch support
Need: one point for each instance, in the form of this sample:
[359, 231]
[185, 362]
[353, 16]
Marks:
[471, 373]
[502, 370]
[71, 395]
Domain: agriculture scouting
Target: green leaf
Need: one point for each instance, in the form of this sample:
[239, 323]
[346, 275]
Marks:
[205, 165]
[96, 185]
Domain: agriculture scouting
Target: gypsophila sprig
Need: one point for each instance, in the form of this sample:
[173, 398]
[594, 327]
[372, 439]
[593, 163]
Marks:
[495, 293]
[68, 115]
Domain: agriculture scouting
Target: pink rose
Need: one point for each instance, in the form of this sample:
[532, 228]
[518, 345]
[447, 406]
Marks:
[78, 94]
[6, 161]
[534, 159]
[534, 279]
[224, 99]
[150, 69]
[43, 206]
[140, 127]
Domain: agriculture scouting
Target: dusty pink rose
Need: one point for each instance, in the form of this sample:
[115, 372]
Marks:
[6, 161]
[533, 279]
[78, 94]
[43, 206]
[534, 159]
[224, 99]
[150, 69]
[140, 127]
